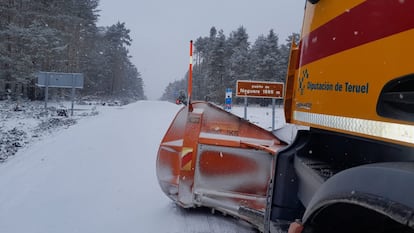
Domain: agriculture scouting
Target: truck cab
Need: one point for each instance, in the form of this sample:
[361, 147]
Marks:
[351, 81]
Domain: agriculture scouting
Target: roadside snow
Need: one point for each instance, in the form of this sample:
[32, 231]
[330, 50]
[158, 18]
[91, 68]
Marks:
[262, 116]
[28, 121]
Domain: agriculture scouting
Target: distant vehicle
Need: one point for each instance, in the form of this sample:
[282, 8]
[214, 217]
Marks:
[181, 99]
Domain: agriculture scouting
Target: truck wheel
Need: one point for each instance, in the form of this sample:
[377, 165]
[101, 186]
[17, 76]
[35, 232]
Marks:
[349, 218]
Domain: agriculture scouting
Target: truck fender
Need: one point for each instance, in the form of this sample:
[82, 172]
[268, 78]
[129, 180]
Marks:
[386, 188]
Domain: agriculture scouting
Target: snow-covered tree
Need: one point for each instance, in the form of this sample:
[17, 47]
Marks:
[265, 57]
[238, 59]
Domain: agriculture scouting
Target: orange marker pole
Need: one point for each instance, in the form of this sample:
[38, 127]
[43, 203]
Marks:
[190, 75]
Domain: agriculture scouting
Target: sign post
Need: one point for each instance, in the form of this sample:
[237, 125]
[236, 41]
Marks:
[259, 89]
[228, 101]
[245, 107]
[46, 91]
[60, 80]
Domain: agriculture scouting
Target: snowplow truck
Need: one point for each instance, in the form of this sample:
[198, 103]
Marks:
[350, 167]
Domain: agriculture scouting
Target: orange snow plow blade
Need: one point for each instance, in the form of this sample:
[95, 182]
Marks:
[210, 157]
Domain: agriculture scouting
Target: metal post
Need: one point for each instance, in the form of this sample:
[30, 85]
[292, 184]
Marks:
[245, 108]
[273, 113]
[47, 90]
[73, 93]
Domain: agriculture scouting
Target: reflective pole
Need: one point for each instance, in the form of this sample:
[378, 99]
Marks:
[273, 113]
[190, 75]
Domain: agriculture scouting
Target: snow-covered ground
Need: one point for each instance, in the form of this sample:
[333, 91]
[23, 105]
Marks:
[25, 122]
[97, 174]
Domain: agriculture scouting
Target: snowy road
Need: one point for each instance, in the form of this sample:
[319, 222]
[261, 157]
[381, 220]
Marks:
[98, 176]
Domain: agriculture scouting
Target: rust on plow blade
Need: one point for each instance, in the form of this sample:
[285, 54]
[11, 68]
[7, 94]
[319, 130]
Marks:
[210, 157]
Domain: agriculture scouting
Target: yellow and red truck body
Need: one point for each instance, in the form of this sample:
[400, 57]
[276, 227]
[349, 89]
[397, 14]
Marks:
[351, 80]
[349, 51]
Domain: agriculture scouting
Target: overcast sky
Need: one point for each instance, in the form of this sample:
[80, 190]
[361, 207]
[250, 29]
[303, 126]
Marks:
[161, 29]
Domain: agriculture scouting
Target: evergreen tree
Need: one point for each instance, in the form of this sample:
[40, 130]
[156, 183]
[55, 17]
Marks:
[265, 57]
[117, 37]
[216, 69]
[238, 61]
